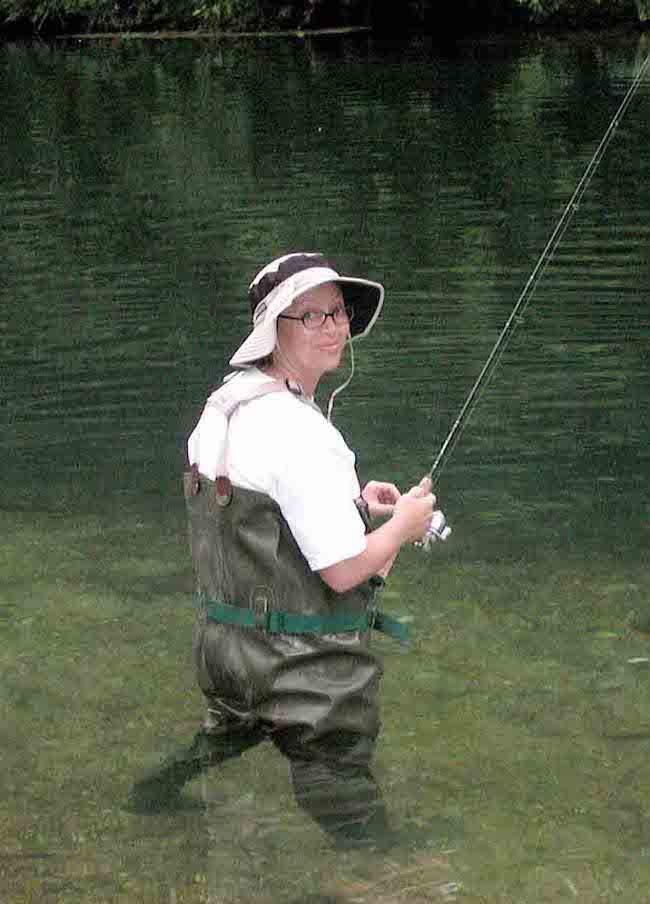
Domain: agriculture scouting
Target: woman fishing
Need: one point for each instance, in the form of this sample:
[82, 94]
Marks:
[285, 559]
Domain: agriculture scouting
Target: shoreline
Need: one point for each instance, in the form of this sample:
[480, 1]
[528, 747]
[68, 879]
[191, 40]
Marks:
[172, 34]
[640, 29]
[8, 32]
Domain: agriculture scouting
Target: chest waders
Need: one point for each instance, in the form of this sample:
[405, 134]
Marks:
[279, 655]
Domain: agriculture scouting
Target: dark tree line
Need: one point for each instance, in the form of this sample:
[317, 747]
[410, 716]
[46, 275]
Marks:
[456, 17]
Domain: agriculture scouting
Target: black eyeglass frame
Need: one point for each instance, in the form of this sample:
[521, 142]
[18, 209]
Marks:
[321, 316]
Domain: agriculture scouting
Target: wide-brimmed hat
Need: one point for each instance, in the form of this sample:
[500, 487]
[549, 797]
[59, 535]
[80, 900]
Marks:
[282, 281]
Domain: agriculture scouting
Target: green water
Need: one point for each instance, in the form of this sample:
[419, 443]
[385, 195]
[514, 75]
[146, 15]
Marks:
[141, 187]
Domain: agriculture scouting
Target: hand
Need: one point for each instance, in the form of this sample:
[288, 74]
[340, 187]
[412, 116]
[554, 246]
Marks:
[381, 497]
[414, 510]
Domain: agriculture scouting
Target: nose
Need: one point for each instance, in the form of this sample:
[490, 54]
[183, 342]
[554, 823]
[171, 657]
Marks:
[330, 324]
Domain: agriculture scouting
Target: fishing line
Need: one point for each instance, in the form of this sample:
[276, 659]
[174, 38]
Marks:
[551, 246]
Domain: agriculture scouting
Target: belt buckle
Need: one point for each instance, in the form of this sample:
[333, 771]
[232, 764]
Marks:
[260, 607]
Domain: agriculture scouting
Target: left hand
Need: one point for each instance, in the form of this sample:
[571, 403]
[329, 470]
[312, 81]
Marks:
[381, 498]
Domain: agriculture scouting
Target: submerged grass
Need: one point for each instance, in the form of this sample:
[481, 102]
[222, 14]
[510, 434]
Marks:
[515, 743]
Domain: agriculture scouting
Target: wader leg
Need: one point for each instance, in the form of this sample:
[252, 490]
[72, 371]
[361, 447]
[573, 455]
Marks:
[161, 788]
[334, 784]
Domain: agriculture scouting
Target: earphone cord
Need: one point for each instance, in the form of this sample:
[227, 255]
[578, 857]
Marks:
[340, 388]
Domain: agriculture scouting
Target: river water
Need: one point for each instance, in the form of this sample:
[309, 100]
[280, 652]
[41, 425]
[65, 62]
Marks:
[142, 185]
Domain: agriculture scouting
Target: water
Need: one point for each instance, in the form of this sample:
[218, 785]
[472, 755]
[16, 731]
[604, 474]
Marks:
[141, 187]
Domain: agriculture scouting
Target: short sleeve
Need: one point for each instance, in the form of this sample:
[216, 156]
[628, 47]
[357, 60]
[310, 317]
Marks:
[316, 490]
[286, 448]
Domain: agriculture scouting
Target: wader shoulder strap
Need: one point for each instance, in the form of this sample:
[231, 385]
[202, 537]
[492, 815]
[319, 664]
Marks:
[232, 394]
[227, 399]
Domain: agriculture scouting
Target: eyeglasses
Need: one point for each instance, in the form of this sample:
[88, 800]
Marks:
[314, 320]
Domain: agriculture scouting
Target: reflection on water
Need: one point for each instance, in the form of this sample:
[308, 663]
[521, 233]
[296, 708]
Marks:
[141, 187]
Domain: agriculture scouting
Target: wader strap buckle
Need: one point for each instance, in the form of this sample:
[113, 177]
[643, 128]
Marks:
[390, 626]
[260, 612]
[261, 621]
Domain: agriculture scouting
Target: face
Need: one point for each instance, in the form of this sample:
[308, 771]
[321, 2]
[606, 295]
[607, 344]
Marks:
[312, 352]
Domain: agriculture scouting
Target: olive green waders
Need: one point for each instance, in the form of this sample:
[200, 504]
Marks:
[281, 657]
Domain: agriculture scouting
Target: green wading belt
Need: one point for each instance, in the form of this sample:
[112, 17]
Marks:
[296, 623]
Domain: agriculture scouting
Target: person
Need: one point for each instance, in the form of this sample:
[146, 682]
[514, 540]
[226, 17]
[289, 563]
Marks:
[286, 560]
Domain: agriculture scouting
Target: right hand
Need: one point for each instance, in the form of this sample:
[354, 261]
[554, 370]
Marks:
[414, 509]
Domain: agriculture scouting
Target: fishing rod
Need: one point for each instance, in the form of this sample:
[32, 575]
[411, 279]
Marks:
[438, 529]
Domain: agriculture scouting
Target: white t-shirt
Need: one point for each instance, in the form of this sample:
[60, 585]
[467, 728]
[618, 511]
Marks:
[285, 448]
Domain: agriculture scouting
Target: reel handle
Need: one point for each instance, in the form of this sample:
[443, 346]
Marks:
[438, 531]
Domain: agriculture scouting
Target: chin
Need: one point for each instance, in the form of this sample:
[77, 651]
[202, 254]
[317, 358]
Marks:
[334, 360]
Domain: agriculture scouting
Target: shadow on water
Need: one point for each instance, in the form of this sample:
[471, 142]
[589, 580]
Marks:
[141, 188]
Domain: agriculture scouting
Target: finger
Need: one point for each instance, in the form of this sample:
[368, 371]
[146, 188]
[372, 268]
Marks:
[390, 493]
[426, 483]
[429, 501]
[422, 493]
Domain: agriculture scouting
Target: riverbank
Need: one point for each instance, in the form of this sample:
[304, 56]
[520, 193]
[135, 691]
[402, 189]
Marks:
[300, 34]
[170, 35]
[229, 18]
